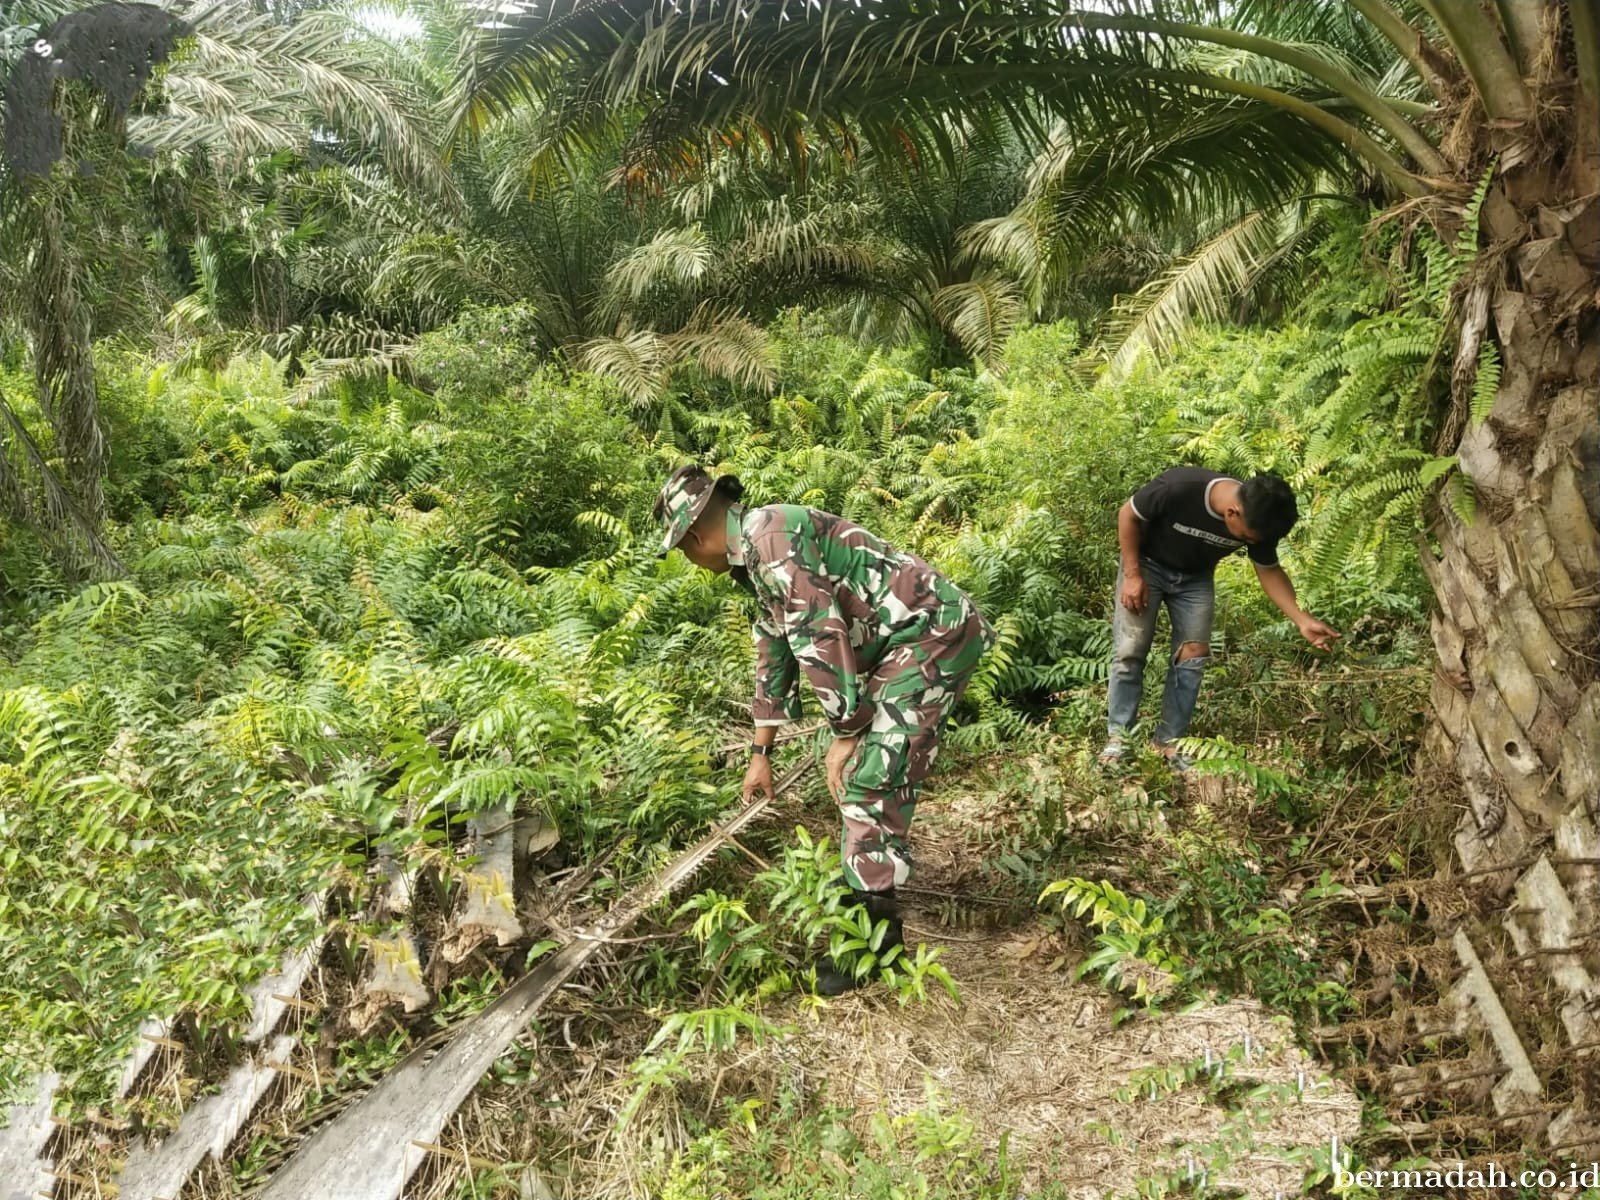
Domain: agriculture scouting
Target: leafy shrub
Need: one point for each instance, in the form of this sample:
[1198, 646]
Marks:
[1217, 927]
[480, 355]
[1130, 952]
[525, 466]
[799, 1150]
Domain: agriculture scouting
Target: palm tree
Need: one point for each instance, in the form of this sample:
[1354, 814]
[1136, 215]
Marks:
[67, 105]
[634, 281]
[319, 256]
[1478, 117]
[888, 241]
[933, 278]
[87, 84]
[587, 259]
[366, 260]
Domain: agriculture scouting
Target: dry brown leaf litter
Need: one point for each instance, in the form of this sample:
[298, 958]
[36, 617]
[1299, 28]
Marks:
[1036, 1055]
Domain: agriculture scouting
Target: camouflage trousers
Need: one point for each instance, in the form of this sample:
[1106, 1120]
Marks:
[913, 688]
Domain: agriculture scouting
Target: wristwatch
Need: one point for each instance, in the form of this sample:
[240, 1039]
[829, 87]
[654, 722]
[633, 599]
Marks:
[764, 751]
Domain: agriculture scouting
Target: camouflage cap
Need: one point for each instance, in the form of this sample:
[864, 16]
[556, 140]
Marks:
[683, 498]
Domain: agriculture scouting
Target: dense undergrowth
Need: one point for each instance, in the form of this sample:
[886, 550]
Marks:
[356, 615]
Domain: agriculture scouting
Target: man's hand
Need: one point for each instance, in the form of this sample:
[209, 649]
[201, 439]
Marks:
[838, 756]
[1317, 633]
[758, 778]
[1134, 592]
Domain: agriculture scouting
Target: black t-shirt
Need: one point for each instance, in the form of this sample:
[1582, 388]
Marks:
[1181, 530]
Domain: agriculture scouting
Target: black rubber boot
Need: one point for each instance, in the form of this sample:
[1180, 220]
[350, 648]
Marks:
[881, 906]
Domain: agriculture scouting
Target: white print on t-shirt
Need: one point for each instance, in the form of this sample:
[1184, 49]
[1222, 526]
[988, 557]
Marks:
[1205, 535]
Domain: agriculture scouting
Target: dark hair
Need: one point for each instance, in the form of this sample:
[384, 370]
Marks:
[1269, 507]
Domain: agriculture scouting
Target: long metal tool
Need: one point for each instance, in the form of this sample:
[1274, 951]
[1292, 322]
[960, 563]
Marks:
[372, 1149]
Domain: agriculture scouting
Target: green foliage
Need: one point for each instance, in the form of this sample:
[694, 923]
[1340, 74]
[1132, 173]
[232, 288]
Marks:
[703, 1031]
[1363, 449]
[480, 354]
[1130, 952]
[358, 612]
[197, 749]
[800, 1151]
[1218, 756]
[805, 897]
[1466, 246]
[1462, 498]
[1249, 1109]
[1218, 925]
[1486, 383]
[380, 578]
[746, 960]
[1224, 917]
[734, 947]
[508, 459]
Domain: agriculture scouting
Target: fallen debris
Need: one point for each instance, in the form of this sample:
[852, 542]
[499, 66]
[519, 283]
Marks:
[373, 1147]
[24, 1169]
[489, 907]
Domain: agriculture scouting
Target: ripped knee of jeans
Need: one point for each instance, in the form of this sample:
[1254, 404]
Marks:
[1193, 655]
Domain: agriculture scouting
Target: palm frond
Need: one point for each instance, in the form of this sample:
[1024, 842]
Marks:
[252, 87]
[637, 362]
[889, 76]
[1202, 162]
[981, 313]
[728, 346]
[1203, 286]
[673, 256]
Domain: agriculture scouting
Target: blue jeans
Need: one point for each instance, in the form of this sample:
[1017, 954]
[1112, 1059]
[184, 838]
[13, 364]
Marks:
[1189, 598]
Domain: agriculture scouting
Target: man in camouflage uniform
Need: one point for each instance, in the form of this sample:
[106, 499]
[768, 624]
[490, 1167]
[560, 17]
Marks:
[888, 645]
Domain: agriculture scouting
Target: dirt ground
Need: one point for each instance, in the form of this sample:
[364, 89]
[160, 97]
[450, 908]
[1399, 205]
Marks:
[1034, 1054]
[1030, 1053]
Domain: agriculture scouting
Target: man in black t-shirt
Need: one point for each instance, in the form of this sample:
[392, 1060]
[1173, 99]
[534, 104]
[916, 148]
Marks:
[1173, 533]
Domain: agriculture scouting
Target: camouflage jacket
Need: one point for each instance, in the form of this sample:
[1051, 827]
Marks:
[834, 600]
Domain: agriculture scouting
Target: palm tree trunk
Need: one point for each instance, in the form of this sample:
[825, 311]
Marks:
[1518, 630]
[63, 356]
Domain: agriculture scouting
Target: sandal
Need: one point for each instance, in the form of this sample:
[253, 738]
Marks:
[1113, 753]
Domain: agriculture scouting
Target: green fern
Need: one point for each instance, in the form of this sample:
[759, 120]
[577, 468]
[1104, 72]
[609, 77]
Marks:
[1462, 498]
[1218, 756]
[1486, 385]
[1130, 948]
[1466, 247]
[1359, 434]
